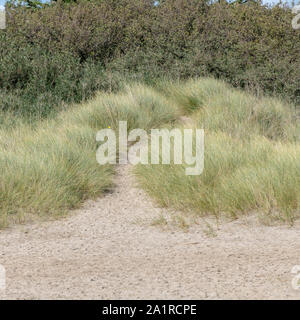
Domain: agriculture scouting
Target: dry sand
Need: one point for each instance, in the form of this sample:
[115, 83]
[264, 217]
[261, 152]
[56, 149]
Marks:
[109, 250]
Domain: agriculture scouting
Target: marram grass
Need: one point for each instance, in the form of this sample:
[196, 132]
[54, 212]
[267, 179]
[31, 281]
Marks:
[252, 155]
[50, 167]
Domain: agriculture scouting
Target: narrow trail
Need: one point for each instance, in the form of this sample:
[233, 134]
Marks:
[109, 250]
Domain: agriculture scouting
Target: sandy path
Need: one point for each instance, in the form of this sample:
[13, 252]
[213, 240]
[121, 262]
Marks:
[109, 250]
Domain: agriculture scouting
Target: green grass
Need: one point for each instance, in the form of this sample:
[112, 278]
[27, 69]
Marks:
[50, 167]
[252, 155]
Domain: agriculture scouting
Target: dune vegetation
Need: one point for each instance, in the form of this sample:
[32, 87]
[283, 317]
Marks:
[62, 52]
[71, 68]
[251, 159]
[252, 153]
[50, 167]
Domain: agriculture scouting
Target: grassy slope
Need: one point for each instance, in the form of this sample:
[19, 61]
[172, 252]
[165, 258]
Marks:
[252, 155]
[50, 168]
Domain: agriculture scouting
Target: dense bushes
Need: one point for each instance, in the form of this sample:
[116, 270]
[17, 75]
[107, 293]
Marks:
[35, 81]
[64, 52]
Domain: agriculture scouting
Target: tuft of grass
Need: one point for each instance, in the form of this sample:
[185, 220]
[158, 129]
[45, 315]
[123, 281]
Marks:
[159, 221]
[252, 154]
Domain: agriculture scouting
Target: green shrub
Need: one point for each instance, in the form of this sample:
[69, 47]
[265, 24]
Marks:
[35, 82]
[66, 51]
